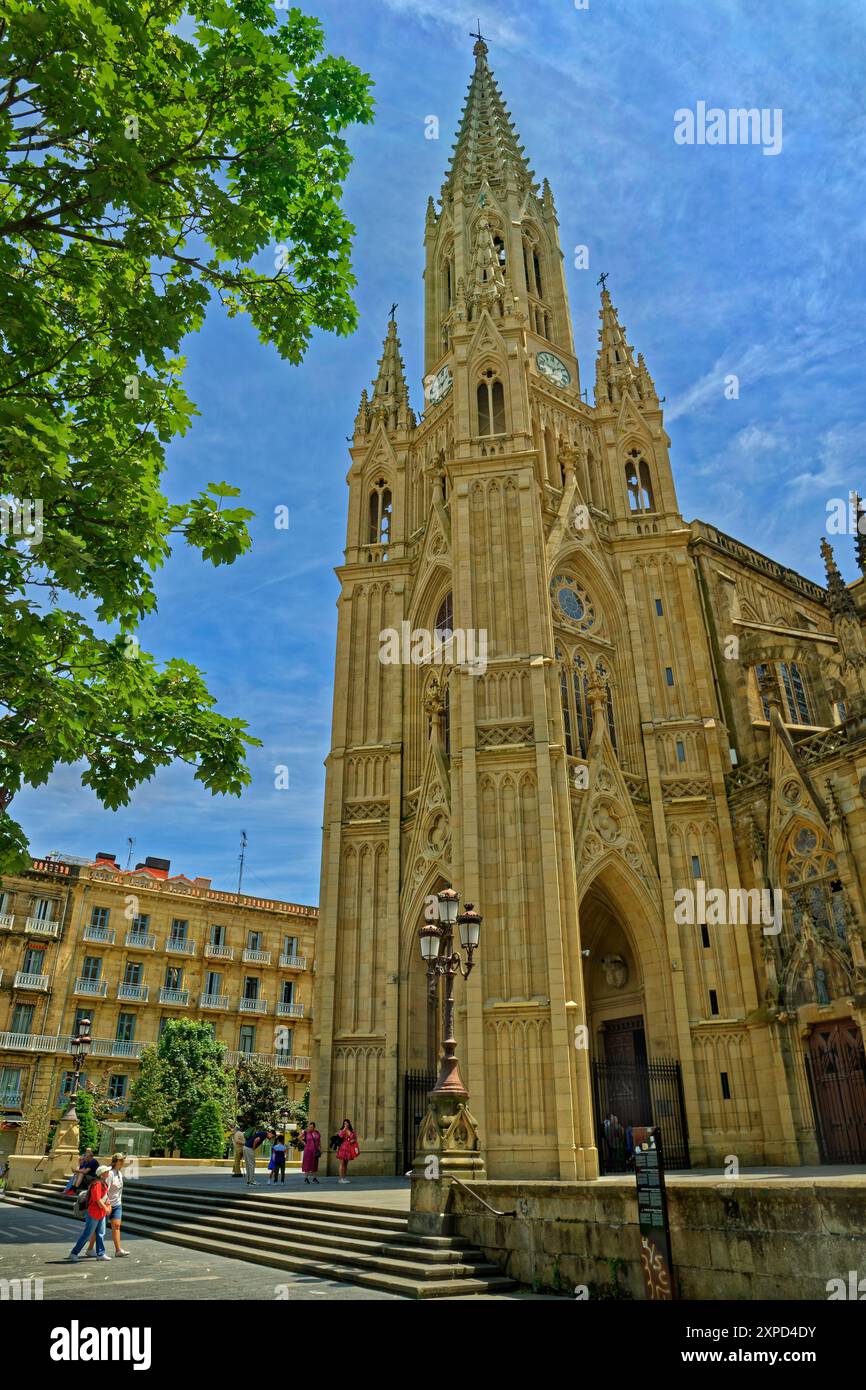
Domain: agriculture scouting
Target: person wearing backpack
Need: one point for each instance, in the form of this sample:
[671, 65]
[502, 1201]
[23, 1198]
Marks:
[98, 1207]
[114, 1196]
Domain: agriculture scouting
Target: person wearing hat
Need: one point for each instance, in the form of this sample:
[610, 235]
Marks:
[114, 1197]
[98, 1207]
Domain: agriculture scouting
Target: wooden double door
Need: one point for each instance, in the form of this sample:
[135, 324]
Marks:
[837, 1071]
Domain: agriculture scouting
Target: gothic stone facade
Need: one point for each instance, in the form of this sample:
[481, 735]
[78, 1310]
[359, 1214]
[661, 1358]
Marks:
[661, 708]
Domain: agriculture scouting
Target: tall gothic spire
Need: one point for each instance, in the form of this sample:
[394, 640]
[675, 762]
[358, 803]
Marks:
[838, 597]
[616, 373]
[487, 147]
[389, 399]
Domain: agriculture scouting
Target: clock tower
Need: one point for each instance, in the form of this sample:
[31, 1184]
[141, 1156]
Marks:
[542, 530]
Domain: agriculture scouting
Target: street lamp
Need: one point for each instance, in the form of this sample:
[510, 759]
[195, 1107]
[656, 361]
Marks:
[437, 950]
[80, 1048]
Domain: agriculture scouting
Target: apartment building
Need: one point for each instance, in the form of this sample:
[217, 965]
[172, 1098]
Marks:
[129, 949]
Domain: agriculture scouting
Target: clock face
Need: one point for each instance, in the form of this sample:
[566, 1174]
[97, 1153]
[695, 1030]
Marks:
[554, 369]
[440, 385]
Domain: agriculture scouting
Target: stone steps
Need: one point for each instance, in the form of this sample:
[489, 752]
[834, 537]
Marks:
[359, 1245]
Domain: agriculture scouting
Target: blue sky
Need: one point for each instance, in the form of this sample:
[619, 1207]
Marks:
[721, 260]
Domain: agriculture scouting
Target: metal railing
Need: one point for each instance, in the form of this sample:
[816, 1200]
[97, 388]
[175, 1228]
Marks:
[95, 987]
[173, 996]
[180, 946]
[219, 952]
[253, 1006]
[141, 940]
[105, 934]
[213, 1001]
[137, 994]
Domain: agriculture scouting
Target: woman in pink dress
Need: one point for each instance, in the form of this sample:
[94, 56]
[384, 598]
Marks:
[348, 1149]
[312, 1152]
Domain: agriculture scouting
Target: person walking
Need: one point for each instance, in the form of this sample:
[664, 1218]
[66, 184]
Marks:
[312, 1152]
[114, 1195]
[252, 1142]
[238, 1141]
[348, 1149]
[278, 1158]
[94, 1218]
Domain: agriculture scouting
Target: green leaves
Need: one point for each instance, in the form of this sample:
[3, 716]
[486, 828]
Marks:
[142, 176]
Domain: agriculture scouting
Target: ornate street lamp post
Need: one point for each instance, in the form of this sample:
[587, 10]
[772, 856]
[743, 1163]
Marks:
[448, 1145]
[437, 949]
[80, 1048]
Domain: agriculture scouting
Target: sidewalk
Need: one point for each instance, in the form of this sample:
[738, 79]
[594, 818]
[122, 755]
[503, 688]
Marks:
[387, 1194]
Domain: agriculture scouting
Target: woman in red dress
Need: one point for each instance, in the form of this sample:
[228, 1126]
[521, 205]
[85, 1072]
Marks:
[312, 1151]
[348, 1149]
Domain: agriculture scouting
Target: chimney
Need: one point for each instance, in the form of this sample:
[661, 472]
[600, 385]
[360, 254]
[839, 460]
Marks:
[104, 857]
[159, 865]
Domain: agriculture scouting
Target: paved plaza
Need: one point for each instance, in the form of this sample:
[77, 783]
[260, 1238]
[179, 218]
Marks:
[34, 1244]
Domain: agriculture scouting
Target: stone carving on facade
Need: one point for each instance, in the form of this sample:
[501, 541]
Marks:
[615, 971]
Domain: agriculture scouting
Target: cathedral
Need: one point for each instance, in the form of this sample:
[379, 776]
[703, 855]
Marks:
[651, 786]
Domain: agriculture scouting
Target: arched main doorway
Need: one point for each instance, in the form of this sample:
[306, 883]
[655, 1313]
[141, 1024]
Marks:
[636, 1081]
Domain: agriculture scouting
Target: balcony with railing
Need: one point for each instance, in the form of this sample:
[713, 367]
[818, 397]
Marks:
[286, 1009]
[35, 926]
[219, 952]
[213, 1001]
[116, 1047]
[98, 988]
[179, 946]
[285, 1061]
[104, 934]
[133, 994]
[178, 997]
[7, 921]
[10, 1100]
[293, 962]
[253, 1006]
[141, 940]
[25, 980]
[256, 957]
[33, 1042]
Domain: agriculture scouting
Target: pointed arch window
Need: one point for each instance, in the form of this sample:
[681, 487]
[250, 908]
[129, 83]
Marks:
[380, 514]
[638, 480]
[442, 633]
[491, 404]
[611, 722]
[810, 876]
[576, 708]
[792, 691]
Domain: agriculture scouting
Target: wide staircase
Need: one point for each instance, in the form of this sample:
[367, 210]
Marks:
[331, 1240]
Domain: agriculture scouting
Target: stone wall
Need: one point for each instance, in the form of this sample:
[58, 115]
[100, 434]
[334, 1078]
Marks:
[753, 1238]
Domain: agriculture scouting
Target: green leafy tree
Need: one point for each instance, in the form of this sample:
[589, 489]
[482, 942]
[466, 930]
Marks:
[154, 155]
[148, 1103]
[207, 1136]
[192, 1071]
[88, 1128]
[260, 1093]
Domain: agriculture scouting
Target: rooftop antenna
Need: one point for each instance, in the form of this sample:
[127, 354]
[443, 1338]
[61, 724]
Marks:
[241, 860]
[130, 842]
